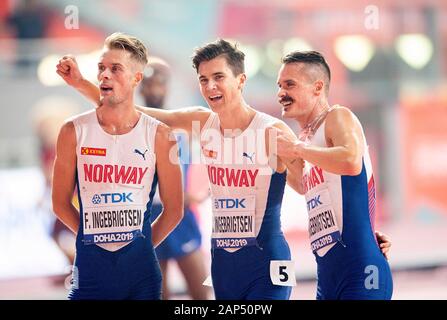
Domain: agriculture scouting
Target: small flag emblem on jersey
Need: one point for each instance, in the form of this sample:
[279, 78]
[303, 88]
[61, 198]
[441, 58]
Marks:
[87, 151]
[210, 153]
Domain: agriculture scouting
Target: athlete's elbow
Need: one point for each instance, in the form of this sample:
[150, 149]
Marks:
[179, 214]
[58, 208]
[177, 217]
[176, 214]
[353, 167]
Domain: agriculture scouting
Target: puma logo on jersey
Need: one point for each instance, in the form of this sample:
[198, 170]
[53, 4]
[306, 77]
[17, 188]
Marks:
[246, 155]
[140, 153]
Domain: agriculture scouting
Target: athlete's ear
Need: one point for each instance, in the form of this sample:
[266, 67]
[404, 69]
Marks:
[242, 79]
[319, 86]
[137, 78]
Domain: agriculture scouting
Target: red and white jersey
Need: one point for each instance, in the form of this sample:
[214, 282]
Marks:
[116, 180]
[246, 191]
[338, 204]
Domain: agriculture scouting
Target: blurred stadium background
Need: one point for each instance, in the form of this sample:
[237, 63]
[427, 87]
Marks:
[388, 60]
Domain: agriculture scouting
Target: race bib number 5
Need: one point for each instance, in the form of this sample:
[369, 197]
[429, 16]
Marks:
[282, 273]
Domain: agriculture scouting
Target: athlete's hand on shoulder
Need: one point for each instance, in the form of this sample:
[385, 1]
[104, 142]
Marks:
[68, 69]
[384, 243]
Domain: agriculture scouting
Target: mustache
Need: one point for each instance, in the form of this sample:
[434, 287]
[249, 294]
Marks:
[285, 99]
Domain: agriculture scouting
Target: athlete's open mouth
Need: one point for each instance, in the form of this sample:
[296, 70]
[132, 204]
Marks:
[286, 102]
[105, 88]
[215, 98]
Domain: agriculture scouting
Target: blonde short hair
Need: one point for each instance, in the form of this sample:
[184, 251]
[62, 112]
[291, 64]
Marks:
[130, 44]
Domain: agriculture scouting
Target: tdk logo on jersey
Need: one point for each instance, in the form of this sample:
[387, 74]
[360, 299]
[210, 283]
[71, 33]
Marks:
[229, 203]
[112, 198]
[96, 199]
[314, 202]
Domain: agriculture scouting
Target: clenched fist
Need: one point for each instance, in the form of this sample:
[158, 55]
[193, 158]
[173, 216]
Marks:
[68, 69]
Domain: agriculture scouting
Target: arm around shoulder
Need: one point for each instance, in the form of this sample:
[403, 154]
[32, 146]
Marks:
[188, 118]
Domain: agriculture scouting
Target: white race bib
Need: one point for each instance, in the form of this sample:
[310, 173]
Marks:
[233, 221]
[282, 273]
[323, 228]
[113, 216]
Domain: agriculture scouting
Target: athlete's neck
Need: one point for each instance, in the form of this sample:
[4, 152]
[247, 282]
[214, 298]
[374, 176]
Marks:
[317, 111]
[236, 117]
[117, 119]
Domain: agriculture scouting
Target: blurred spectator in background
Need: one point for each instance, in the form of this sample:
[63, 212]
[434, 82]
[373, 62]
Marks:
[184, 243]
[47, 118]
[28, 23]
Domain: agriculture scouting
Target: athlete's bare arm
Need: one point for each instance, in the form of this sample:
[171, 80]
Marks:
[183, 118]
[345, 142]
[187, 119]
[294, 165]
[64, 173]
[295, 174]
[68, 70]
[170, 183]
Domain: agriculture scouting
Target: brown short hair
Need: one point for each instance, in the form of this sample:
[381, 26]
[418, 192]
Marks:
[128, 43]
[310, 58]
[220, 47]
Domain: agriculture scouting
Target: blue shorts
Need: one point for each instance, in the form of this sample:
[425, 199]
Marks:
[245, 274]
[184, 239]
[131, 272]
[345, 276]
